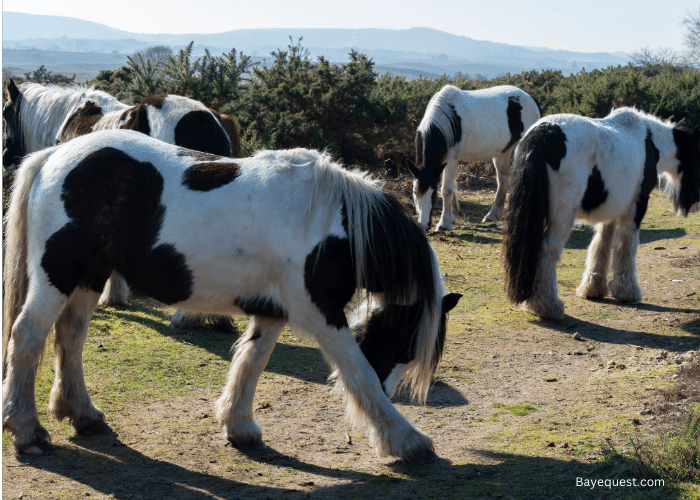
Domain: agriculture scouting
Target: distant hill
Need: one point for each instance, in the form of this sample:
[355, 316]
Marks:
[412, 52]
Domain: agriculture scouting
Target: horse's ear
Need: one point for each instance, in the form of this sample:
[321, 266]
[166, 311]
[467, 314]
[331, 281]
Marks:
[413, 169]
[12, 91]
[449, 301]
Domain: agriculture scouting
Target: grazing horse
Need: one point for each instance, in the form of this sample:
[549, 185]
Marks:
[39, 116]
[284, 236]
[467, 125]
[602, 171]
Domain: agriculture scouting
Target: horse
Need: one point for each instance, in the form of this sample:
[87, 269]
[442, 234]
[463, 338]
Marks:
[600, 171]
[38, 116]
[286, 237]
[467, 125]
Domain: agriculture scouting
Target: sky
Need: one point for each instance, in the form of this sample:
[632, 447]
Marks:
[583, 26]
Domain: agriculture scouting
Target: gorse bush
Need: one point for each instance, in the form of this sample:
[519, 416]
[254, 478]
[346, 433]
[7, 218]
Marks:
[368, 119]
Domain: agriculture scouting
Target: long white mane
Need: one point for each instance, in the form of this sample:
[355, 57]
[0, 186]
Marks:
[45, 107]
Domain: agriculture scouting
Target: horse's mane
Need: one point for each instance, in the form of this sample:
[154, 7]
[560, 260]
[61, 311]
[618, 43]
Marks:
[440, 112]
[386, 244]
[45, 107]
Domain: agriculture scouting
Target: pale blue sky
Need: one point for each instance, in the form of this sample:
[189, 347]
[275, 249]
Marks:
[583, 26]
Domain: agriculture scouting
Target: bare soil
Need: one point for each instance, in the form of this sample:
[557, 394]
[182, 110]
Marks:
[593, 377]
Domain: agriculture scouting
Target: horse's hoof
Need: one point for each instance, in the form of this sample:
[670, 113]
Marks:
[43, 447]
[99, 428]
[247, 445]
[442, 229]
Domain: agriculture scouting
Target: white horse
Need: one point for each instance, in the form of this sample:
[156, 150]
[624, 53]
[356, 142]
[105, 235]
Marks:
[39, 116]
[602, 171]
[467, 125]
[287, 237]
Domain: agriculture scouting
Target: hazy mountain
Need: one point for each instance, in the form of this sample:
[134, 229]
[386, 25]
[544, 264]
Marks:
[413, 51]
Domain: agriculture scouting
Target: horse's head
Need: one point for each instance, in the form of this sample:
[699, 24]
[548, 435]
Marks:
[425, 192]
[387, 338]
[13, 146]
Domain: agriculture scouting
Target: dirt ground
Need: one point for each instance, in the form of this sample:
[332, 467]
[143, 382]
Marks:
[592, 377]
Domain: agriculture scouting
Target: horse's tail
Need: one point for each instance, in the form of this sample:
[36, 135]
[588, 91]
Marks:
[525, 219]
[15, 278]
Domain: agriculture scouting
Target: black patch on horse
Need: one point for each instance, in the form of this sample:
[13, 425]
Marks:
[200, 130]
[385, 344]
[155, 100]
[515, 121]
[649, 180]
[208, 176]
[136, 119]
[113, 203]
[261, 306]
[688, 155]
[329, 277]
[231, 128]
[595, 194]
[80, 122]
[13, 140]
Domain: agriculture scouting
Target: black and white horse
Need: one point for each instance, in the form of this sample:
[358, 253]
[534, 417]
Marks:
[284, 236]
[601, 171]
[39, 116]
[467, 125]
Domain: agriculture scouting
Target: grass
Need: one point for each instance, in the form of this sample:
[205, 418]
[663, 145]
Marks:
[500, 445]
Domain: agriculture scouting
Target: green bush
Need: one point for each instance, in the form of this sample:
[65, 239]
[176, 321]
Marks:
[370, 120]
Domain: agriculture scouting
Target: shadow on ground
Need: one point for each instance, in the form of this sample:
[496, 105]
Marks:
[121, 472]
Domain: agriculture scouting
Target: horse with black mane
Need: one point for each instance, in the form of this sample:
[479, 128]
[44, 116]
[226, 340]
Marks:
[287, 237]
[39, 116]
[467, 125]
[601, 171]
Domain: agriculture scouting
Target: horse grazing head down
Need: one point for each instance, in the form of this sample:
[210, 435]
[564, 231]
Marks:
[389, 344]
[13, 144]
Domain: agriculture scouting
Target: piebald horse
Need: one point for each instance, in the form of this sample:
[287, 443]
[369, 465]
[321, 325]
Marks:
[467, 125]
[39, 116]
[287, 237]
[601, 171]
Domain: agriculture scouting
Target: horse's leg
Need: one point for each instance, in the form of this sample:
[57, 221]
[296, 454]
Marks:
[116, 291]
[502, 165]
[24, 352]
[544, 301]
[390, 432]
[594, 284]
[69, 396]
[624, 286]
[450, 204]
[234, 409]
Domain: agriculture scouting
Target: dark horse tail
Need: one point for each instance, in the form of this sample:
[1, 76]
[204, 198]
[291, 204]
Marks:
[526, 217]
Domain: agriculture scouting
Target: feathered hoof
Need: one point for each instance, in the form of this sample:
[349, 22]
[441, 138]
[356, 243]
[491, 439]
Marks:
[625, 291]
[98, 428]
[592, 287]
[408, 444]
[547, 310]
[442, 228]
[39, 443]
[248, 438]
[489, 217]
